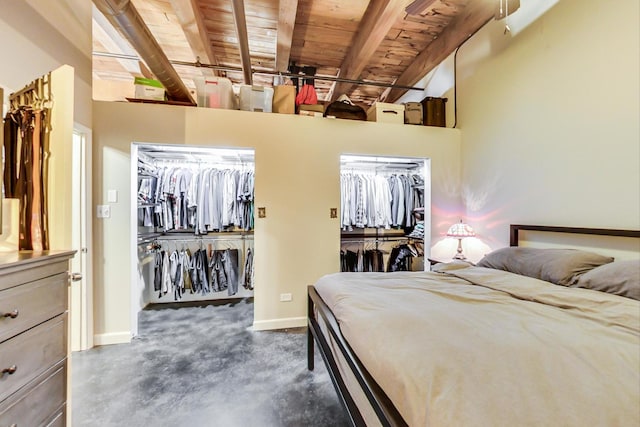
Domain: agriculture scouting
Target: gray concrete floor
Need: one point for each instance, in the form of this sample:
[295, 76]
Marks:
[203, 366]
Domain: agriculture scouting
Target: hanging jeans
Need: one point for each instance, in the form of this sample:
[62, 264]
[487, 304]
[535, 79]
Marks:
[224, 271]
[218, 273]
[231, 268]
[247, 279]
[400, 259]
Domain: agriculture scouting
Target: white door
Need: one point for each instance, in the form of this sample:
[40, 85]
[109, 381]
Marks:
[81, 295]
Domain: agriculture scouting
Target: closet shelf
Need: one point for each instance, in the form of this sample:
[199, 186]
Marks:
[146, 175]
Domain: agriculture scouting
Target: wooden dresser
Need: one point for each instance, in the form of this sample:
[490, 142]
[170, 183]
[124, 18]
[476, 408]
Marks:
[33, 338]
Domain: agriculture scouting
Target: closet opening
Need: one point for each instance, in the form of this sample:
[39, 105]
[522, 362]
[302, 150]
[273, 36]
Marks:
[385, 213]
[193, 225]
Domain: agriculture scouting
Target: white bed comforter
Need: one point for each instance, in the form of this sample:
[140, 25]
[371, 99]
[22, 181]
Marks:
[491, 348]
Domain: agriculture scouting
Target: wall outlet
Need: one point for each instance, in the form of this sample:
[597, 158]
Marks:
[285, 297]
[103, 211]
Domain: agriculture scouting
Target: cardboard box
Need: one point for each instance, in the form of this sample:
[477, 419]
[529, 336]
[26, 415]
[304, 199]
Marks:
[310, 109]
[413, 113]
[148, 89]
[386, 113]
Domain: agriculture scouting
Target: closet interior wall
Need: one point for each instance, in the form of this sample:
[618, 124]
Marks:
[384, 213]
[175, 233]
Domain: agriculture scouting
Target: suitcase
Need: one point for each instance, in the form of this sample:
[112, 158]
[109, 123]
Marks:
[344, 110]
[434, 111]
[413, 113]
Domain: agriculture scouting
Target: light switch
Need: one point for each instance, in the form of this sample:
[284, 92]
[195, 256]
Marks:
[333, 213]
[103, 211]
[262, 212]
[112, 196]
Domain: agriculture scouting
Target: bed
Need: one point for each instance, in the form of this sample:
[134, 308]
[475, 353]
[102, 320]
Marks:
[529, 337]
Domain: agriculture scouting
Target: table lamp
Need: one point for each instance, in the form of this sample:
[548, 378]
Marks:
[460, 230]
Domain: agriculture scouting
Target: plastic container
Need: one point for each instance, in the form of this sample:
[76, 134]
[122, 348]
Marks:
[215, 92]
[256, 98]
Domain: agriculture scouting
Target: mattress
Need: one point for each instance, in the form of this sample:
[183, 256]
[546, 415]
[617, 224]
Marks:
[484, 347]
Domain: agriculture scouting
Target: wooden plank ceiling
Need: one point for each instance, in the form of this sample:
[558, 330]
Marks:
[373, 40]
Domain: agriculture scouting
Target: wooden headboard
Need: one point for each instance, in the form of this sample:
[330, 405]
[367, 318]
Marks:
[620, 244]
[515, 228]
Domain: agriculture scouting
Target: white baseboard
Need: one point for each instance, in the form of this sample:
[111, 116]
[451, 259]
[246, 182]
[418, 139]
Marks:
[289, 322]
[112, 338]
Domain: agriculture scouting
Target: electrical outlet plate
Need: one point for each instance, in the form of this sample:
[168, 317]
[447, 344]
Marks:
[285, 297]
[103, 211]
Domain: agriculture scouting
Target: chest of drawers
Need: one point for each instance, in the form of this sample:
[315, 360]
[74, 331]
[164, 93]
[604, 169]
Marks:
[33, 338]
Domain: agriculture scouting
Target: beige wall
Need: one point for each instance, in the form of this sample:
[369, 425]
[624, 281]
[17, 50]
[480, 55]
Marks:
[297, 180]
[549, 121]
[33, 45]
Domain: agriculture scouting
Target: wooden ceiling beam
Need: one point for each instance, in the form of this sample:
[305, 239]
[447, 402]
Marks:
[376, 22]
[240, 20]
[286, 21]
[192, 23]
[470, 20]
[419, 6]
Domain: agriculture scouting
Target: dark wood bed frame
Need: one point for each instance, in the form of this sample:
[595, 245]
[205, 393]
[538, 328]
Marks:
[381, 404]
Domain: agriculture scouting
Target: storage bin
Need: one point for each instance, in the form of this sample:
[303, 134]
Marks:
[215, 92]
[413, 113]
[434, 111]
[386, 113]
[148, 89]
[256, 98]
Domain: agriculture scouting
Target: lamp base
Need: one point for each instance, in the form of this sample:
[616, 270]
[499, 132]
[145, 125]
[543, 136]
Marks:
[460, 256]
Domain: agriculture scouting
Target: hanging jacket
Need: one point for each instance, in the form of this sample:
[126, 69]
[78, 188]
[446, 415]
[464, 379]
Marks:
[307, 95]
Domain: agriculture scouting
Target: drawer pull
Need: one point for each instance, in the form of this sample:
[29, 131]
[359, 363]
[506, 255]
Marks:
[10, 370]
[12, 314]
[75, 277]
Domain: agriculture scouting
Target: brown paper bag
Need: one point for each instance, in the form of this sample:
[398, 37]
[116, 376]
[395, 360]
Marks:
[284, 99]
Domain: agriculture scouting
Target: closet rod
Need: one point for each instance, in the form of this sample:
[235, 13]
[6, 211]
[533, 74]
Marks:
[147, 239]
[198, 64]
[347, 240]
[379, 171]
[227, 164]
[166, 238]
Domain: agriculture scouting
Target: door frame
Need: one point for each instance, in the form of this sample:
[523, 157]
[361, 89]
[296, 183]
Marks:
[81, 292]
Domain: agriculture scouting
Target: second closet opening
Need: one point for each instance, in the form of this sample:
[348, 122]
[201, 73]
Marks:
[385, 213]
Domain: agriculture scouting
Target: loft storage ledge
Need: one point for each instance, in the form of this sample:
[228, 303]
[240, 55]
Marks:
[157, 101]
